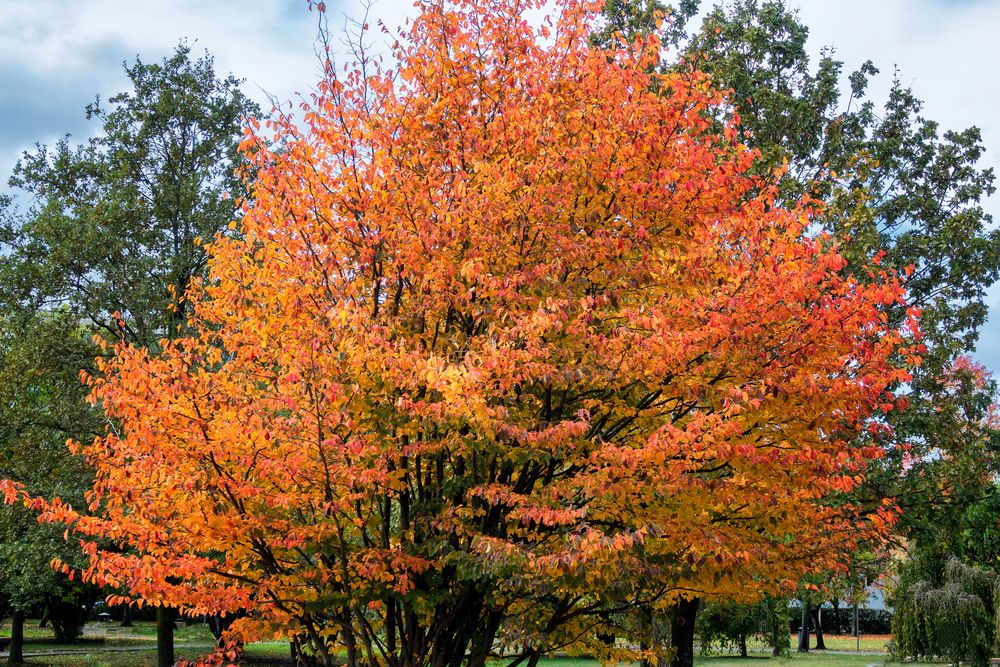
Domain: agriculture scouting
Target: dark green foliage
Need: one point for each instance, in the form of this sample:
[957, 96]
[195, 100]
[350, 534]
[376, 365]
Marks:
[758, 51]
[68, 611]
[633, 18]
[112, 225]
[41, 405]
[728, 627]
[890, 179]
[953, 618]
[116, 221]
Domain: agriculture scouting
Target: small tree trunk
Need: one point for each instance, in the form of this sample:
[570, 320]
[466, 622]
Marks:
[656, 637]
[164, 636]
[743, 646]
[818, 628]
[127, 616]
[16, 655]
[837, 627]
[682, 632]
[857, 627]
[804, 629]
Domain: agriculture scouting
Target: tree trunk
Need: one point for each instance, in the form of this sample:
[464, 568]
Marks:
[804, 629]
[743, 646]
[164, 636]
[657, 635]
[857, 626]
[837, 627]
[818, 628]
[127, 616]
[682, 632]
[16, 655]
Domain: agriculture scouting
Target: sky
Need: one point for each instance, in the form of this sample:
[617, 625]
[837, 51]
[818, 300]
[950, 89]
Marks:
[56, 55]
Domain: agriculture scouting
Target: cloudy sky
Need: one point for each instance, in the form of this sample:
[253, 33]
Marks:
[56, 55]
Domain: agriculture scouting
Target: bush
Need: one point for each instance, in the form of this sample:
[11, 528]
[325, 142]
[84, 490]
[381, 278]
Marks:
[729, 626]
[870, 621]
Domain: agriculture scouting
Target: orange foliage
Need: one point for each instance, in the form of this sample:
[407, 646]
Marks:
[507, 341]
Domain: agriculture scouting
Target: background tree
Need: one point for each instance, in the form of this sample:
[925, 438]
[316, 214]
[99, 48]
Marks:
[41, 405]
[507, 343]
[730, 626]
[951, 615]
[892, 183]
[888, 181]
[114, 227]
[117, 221]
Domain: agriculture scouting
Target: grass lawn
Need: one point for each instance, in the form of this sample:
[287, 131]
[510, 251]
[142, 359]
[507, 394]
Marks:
[148, 659]
[99, 658]
[95, 650]
[795, 660]
[848, 643]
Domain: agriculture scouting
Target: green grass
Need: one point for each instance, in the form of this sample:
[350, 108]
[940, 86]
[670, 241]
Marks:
[847, 643]
[193, 640]
[148, 659]
[869, 643]
[98, 658]
[795, 660]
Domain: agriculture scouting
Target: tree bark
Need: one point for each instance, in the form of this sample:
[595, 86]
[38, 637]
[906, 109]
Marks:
[817, 617]
[682, 632]
[743, 646]
[804, 629]
[127, 616]
[164, 636]
[16, 655]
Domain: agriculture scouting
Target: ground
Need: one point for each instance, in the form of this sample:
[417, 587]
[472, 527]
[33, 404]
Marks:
[108, 645]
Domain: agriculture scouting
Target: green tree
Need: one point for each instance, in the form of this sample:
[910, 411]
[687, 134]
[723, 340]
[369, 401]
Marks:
[41, 405]
[729, 626]
[112, 237]
[117, 221]
[890, 182]
[895, 191]
[890, 179]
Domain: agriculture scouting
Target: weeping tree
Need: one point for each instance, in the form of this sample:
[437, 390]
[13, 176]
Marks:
[954, 619]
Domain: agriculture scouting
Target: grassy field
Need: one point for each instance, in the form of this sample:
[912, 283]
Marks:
[96, 649]
[868, 643]
[147, 659]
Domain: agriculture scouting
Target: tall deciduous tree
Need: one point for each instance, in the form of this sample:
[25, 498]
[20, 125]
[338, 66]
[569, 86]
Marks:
[116, 221]
[114, 226]
[892, 182]
[508, 343]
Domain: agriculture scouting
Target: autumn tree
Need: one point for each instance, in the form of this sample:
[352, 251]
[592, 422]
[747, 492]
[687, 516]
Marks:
[510, 341]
